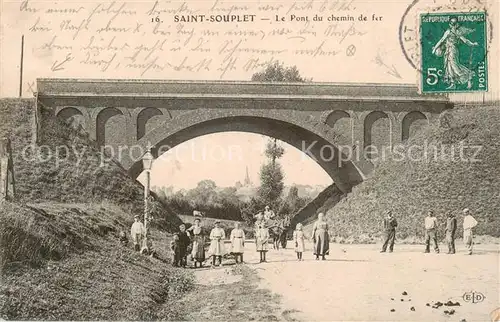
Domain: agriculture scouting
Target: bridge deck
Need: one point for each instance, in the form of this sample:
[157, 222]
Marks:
[161, 89]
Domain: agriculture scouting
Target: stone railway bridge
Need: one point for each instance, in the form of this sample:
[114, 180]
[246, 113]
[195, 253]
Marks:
[130, 115]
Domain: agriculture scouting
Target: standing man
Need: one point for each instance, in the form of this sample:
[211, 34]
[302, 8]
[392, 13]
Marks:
[137, 231]
[451, 228]
[430, 223]
[469, 223]
[390, 225]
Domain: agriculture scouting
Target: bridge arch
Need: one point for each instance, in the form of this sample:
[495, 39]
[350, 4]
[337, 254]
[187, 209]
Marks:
[144, 117]
[411, 122]
[315, 139]
[341, 122]
[78, 115]
[102, 117]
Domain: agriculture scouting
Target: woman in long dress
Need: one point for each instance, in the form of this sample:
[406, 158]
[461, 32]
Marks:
[454, 71]
[320, 237]
[298, 238]
[198, 238]
[216, 250]
[237, 242]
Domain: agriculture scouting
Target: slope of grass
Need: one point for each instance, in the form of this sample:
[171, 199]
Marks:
[65, 261]
[60, 256]
[67, 167]
[411, 188]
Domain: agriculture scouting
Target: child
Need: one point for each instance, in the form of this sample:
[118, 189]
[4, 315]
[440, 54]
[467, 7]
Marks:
[298, 237]
[216, 250]
[123, 238]
[261, 240]
[237, 242]
[176, 251]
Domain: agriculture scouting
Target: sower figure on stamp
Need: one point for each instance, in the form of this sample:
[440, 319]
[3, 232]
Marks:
[469, 223]
[390, 225]
[447, 46]
[430, 223]
[451, 228]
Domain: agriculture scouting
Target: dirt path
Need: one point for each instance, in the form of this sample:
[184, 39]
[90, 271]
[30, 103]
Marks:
[359, 283]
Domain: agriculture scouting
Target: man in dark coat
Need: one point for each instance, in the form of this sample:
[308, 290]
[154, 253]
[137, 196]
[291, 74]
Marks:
[451, 228]
[390, 225]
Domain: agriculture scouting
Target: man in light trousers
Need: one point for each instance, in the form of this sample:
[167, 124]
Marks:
[469, 224]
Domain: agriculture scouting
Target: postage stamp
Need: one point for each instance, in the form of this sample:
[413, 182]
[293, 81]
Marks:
[453, 51]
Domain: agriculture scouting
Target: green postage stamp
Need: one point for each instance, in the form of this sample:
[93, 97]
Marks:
[453, 52]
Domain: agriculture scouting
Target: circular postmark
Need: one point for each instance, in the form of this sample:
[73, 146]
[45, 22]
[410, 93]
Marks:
[411, 40]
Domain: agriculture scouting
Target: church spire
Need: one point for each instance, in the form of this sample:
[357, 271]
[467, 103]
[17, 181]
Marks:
[247, 181]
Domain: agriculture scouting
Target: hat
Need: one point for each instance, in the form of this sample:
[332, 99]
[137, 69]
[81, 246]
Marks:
[466, 210]
[217, 221]
[137, 216]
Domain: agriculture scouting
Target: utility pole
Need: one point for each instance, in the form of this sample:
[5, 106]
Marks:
[21, 68]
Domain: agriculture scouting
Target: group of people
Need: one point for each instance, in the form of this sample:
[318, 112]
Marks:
[431, 227]
[192, 242]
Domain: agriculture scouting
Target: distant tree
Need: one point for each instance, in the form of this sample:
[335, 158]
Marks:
[293, 193]
[271, 174]
[249, 209]
[277, 72]
[204, 194]
[294, 201]
[227, 196]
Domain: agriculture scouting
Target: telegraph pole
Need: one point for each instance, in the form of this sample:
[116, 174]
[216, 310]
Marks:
[21, 68]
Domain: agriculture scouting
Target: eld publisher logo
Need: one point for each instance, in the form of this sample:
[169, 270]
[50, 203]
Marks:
[473, 297]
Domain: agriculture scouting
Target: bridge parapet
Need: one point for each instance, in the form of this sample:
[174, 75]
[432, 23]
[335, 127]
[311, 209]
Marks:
[229, 89]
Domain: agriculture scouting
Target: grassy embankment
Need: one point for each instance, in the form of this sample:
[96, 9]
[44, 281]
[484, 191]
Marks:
[410, 188]
[60, 253]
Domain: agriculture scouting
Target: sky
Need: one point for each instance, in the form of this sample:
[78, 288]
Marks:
[224, 157]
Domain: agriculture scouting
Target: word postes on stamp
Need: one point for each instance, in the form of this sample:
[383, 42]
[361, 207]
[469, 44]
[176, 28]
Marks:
[453, 51]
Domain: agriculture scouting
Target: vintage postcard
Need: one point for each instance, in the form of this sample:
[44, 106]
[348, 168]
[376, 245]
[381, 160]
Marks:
[260, 160]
